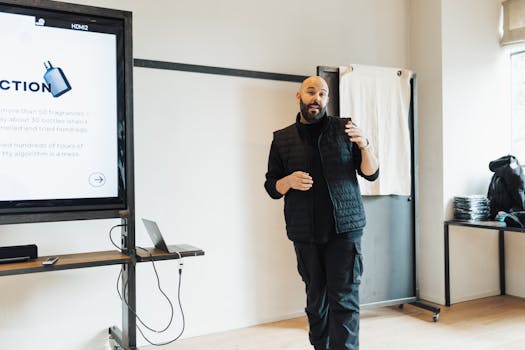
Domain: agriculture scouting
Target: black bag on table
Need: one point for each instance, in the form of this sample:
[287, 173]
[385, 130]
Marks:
[515, 219]
[507, 186]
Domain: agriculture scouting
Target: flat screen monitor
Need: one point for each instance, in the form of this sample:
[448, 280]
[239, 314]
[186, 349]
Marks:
[62, 110]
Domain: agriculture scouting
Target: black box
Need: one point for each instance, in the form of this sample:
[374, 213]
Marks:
[18, 253]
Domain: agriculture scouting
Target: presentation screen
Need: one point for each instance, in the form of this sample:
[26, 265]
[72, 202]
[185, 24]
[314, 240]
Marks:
[62, 123]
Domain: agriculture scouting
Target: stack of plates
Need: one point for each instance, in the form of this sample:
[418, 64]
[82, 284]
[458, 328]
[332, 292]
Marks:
[472, 208]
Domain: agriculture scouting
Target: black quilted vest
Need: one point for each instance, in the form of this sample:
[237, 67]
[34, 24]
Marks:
[340, 173]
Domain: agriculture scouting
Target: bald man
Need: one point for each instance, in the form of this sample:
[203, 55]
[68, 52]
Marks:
[314, 164]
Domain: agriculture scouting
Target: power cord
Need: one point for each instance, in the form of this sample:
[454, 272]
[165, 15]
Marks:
[124, 300]
[111, 238]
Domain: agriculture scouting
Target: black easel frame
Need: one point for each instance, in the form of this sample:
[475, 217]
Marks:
[331, 75]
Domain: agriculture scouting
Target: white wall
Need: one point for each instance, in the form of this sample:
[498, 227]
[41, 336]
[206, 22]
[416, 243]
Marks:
[476, 113]
[468, 107]
[476, 119]
[209, 194]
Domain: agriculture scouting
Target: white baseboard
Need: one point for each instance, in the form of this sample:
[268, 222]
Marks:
[282, 318]
[454, 300]
[440, 300]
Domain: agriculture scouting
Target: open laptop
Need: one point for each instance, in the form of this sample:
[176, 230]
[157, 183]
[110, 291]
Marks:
[156, 237]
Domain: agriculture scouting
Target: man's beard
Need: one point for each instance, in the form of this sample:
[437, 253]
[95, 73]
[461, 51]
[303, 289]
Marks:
[309, 117]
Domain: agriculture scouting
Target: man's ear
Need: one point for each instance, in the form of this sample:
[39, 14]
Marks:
[298, 96]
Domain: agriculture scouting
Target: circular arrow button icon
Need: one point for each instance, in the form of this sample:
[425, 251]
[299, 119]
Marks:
[97, 179]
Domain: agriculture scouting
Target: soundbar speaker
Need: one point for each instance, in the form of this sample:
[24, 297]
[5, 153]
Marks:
[18, 253]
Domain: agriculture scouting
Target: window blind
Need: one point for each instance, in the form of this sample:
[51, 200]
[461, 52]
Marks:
[513, 21]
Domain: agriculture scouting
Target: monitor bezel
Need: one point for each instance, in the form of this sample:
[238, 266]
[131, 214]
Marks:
[82, 208]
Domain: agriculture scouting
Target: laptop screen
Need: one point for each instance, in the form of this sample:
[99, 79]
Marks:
[154, 232]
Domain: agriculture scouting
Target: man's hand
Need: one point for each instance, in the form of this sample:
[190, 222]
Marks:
[369, 162]
[298, 180]
[356, 134]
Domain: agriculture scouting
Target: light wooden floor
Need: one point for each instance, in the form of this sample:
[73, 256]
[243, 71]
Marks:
[495, 323]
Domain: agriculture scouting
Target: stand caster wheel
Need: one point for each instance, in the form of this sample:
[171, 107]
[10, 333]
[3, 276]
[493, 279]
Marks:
[400, 306]
[435, 318]
[113, 344]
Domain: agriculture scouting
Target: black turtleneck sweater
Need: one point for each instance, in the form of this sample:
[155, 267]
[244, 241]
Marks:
[323, 208]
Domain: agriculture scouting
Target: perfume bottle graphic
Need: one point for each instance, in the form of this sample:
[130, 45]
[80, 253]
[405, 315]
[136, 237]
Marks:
[55, 77]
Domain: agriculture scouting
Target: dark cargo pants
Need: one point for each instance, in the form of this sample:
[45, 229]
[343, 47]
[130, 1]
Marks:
[332, 275]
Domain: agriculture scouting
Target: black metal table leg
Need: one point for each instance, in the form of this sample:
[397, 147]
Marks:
[501, 244]
[447, 266]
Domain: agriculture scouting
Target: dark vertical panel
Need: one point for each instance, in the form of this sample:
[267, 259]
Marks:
[129, 321]
[388, 242]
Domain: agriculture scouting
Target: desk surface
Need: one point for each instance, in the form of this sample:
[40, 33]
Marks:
[491, 225]
[185, 250]
[92, 259]
[65, 262]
